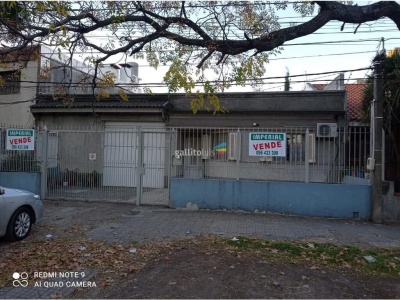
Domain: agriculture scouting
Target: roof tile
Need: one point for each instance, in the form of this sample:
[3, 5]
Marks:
[355, 93]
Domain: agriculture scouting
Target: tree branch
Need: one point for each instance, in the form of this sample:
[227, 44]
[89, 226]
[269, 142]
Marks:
[205, 58]
[156, 23]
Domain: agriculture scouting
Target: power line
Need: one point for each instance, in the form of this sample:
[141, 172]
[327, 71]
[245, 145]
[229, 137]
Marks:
[198, 82]
[340, 42]
[272, 59]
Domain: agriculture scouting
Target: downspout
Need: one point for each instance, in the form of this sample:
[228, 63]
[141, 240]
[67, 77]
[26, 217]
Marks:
[164, 111]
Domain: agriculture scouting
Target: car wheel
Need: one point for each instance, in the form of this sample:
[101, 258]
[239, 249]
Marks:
[20, 225]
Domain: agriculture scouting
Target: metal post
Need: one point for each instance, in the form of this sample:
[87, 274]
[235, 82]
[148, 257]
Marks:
[307, 157]
[238, 154]
[383, 154]
[43, 165]
[170, 160]
[139, 168]
[377, 200]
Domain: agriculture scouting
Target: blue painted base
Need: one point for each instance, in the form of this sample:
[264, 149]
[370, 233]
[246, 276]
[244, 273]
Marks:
[21, 180]
[307, 199]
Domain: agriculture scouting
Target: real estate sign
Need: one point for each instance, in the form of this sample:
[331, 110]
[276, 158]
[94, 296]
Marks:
[267, 144]
[20, 139]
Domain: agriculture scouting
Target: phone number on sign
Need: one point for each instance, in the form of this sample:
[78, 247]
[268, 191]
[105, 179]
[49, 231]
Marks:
[267, 152]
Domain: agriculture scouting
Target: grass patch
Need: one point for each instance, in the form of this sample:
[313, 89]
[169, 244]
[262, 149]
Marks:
[287, 247]
[349, 257]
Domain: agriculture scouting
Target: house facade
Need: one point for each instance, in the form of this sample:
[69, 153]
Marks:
[152, 149]
[296, 114]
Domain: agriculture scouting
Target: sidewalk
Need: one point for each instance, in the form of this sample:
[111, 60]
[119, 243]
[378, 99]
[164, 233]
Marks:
[126, 223]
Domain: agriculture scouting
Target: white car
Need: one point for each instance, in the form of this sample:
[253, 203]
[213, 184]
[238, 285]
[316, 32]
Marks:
[18, 211]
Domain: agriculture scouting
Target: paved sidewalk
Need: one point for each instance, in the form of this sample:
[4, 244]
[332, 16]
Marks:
[126, 223]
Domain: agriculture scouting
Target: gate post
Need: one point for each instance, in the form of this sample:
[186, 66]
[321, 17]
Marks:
[43, 165]
[170, 160]
[238, 153]
[139, 168]
[307, 157]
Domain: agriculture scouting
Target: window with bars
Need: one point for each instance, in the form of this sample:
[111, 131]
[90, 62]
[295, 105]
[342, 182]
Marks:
[10, 82]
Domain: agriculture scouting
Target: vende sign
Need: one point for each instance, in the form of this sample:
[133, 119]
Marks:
[20, 139]
[267, 144]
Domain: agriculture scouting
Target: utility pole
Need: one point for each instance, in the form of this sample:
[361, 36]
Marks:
[377, 199]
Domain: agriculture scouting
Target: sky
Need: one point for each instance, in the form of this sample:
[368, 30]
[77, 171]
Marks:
[348, 52]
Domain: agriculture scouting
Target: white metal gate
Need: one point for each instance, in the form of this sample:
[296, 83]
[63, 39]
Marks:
[122, 162]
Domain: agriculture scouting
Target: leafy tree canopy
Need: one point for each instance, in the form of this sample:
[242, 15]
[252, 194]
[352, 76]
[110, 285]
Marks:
[233, 39]
[390, 101]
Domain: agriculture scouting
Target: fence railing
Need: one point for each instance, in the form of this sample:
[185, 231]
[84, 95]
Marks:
[113, 159]
[275, 154]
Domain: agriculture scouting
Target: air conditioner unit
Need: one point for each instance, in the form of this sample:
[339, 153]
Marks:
[327, 130]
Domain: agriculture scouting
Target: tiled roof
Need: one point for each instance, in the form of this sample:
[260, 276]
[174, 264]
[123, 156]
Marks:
[355, 95]
[88, 101]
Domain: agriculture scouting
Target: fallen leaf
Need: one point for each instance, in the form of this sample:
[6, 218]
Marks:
[392, 265]
[133, 269]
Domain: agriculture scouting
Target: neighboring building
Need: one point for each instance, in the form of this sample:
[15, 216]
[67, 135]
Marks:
[18, 86]
[354, 97]
[40, 70]
[358, 146]
[127, 76]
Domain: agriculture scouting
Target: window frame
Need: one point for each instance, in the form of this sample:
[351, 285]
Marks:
[12, 82]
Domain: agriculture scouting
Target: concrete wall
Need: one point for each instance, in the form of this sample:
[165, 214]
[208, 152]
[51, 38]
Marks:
[265, 171]
[19, 114]
[313, 199]
[391, 204]
[272, 102]
[262, 118]
[21, 180]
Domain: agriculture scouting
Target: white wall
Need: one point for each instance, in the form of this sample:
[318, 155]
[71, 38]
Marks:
[19, 114]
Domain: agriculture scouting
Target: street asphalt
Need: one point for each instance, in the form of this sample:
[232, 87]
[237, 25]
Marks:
[127, 223]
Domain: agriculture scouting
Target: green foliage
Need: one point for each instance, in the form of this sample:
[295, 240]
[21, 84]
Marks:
[20, 162]
[106, 82]
[123, 95]
[305, 8]
[391, 98]
[228, 42]
[325, 255]
[391, 110]
[177, 77]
